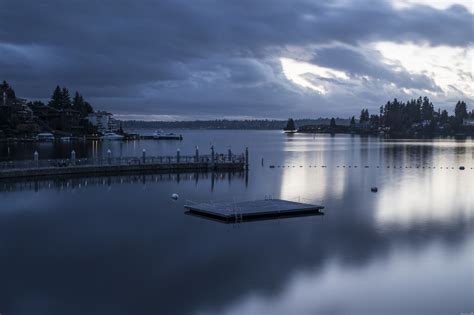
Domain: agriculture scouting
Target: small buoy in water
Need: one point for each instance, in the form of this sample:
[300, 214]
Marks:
[461, 168]
[174, 196]
[272, 166]
[374, 189]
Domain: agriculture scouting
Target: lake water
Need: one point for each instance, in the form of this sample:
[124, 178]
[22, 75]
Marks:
[121, 245]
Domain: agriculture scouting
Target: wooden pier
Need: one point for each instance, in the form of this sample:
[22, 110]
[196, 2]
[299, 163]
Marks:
[231, 212]
[115, 166]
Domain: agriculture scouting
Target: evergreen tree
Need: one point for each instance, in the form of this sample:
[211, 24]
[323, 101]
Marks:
[87, 109]
[9, 93]
[56, 98]
[443, 117]
[427, 109]
[364, 116]
[65, 99]
[78, 102]
[374, 121]
[460, 111]
[332, 123]
[290, 125]
[353, 122]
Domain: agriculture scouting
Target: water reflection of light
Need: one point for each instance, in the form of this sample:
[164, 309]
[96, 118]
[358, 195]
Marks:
[339, 289]
[435, 143]
[438, 195]
[314, 182]
[311, 183]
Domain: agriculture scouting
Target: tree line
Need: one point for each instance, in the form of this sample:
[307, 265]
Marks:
[401, 117]
[61, 100]
[61, 113]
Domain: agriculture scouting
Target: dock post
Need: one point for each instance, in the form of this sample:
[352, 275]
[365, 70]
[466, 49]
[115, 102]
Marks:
[212, 156]
[36, 159]
[197, 155]
[229, 153]
[144, 155]
[178, 151]
[109, 156]
[247, 158]
[73, 157]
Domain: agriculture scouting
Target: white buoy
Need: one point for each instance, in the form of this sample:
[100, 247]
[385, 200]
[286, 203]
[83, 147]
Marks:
[174, 196]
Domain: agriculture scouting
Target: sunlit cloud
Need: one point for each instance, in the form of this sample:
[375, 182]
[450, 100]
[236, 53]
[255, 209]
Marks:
[295, 71]
[437, 4]
[451, 68]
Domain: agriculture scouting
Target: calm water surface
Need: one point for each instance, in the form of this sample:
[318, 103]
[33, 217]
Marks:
[121, 245]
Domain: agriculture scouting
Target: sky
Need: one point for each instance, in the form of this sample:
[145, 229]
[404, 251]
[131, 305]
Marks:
[209, 59]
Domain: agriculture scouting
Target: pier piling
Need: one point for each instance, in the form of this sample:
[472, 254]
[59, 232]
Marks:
[35, 158]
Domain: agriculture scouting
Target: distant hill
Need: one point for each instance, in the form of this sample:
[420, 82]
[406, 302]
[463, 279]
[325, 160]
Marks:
[257, 124]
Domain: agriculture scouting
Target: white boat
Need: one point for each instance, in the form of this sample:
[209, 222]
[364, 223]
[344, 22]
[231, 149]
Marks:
[45, 137]
[159, 135]
[111, 136]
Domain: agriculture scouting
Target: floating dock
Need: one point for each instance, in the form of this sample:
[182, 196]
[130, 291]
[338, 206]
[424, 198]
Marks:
[231, 212]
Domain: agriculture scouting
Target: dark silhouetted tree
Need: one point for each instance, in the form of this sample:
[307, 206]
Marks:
[443, 117]
[65, 99]
[353, 122]
[427, 109]
[364, 116]
[374, 121]
[9, 93]
[77, 102]
[290, 125]
[56, 98]
[460, 111]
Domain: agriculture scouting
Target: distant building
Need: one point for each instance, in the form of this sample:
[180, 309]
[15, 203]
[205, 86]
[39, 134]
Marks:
[426, 122]
[468, 122]
[4, 99]
[363, 125]
[103, 121]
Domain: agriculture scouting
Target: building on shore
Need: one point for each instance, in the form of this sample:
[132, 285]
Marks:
[468, 122]
[104, 121]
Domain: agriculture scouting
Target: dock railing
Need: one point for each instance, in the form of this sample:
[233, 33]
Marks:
[117, 161]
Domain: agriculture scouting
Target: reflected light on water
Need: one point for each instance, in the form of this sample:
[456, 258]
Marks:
[342, 290]
[294, 183]
[309, 183]
[416, 198]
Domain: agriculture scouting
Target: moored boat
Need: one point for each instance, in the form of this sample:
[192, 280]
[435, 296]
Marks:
[45, 137]
[159, 135]
[111, 136]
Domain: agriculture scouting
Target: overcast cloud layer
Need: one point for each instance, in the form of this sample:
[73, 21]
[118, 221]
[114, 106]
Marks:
[210, 59]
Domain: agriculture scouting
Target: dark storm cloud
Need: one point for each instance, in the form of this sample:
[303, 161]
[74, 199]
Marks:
[116, 51]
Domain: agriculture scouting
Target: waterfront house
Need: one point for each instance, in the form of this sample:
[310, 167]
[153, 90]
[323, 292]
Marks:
[468, 122]
[103, 121]
[45, 137]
